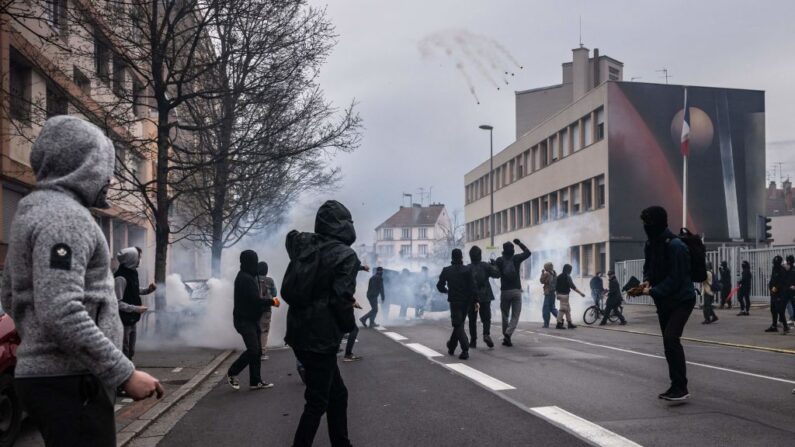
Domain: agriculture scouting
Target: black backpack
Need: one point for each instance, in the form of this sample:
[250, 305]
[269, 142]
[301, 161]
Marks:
[698, 254]
[716, 286]
[299, 281]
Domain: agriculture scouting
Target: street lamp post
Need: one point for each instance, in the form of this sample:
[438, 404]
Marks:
[491, 179]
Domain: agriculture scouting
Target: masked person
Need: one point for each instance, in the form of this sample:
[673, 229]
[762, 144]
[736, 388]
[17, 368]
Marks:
[246, 319]
[725, 276]
[790, 291]
[128, 293]
[268, 294]
[481, 272]
[667, 279]
[778, 286]
[321, 299]
[563, 287]
[510, 287]
[613, 304]
[597, 289]
[58, 289]
[549, 280]
[457, 283]
[375, 288]
[744, 289]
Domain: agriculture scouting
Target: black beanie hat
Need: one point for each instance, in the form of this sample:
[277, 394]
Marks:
[458, 255]
[475, 255]
[654, 215]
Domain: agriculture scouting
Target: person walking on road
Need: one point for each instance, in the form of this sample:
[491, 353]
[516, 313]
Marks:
[319, 286]
[597, 289]
[128, 293]
[725, 285]
[613, 303]
[744, 289]
[549, 279]
[481, 272]
[457, 282]
[790, 291]
[709, 297]
[667, 278]
[563, 287]
[510, 287]
[375, 288]
[268, 294]
[246, 319]
[778, 286]
[58, 288]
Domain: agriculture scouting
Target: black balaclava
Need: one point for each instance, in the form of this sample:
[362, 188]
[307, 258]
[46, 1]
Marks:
[567, 269]
[790, 260]
[746, 265]
[458, 256]
[655, 221]
[262, 268]
[379, 271]
[248, 262]
[724, 264]
[777, 261]
[475, 255]
[507, 249]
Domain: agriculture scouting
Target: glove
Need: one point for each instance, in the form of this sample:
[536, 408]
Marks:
[517, 242]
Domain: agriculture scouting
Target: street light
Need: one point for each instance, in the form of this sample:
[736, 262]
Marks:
[491, 180]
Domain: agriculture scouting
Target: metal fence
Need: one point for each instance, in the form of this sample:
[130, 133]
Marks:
[761, 260]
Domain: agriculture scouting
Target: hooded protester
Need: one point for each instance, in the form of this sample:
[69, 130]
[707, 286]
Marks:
[457, 283]
[790, 266]
[128, 293]
[667, 278]
[744, 290]
[375, 288]
[613, 304]
[246, 319]
[314, 330]
[510, 287]
[268, 294]
[563, 287]
[778, 286]
[725, 276]
[481, 272]
[549, 279]
[58, 289]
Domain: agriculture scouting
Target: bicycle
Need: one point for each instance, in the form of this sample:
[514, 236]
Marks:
[594, 313]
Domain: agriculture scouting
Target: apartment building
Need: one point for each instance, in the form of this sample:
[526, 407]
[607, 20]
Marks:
[412, 233]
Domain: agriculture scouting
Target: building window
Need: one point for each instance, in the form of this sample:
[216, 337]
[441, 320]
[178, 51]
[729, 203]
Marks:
[564, 143]
[405, 233]
[536, 212]
[19, 82]
[575, 199]
[82, 81]
[542, 148]
[587, 188]
[423, 250]
[613, 73]
[102, 56]
[600, 191]
[564, 203]
[575, 260]
[56, 103]
[56, 15]
[601, 264]
[139, 103]
[587, 260]
[119, 76]
[405, 250]
[423, 233]
[576, 137]
[600, 124]
[587, 130]
[387, 234]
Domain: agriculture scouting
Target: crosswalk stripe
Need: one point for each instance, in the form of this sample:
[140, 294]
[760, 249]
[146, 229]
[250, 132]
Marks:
[422, 349]
[479, 377]
[395, 336]
[583, 429]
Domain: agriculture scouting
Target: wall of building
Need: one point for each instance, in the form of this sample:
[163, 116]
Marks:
[783, 230]
[535, 106]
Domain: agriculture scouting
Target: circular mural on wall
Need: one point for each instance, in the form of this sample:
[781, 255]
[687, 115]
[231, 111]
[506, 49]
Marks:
[701, 129]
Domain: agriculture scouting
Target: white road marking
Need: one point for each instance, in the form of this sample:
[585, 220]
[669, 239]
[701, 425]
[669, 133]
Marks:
[422, 349]
[583, 429]
[703, 365]
[126, 400]
[395, 336]
[479, 377]
[176, 370]
[380, 328]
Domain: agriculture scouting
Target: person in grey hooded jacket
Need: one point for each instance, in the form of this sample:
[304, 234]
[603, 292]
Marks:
[58, 288]
[128, 293]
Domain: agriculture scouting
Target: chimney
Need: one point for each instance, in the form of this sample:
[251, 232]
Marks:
[596, 79]
[579, 72]
[771, 190]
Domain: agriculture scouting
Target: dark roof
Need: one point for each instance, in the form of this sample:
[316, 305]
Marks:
[415, 216]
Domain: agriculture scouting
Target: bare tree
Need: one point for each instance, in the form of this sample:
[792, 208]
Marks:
[450, 237]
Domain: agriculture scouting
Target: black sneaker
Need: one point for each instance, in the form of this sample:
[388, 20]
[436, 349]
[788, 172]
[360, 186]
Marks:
[676, 396]
[489, 342]
[771, 329]
[667, 392]
[742, 313]
[507, 341]
[714, 319]
[473, 343]
[571, 326]
[464, 355]
[623, 323]
[603, 323]
[260, 386]
[233, 382]
[451, 348]
[363, 321]
[351, 358]
[560, 326]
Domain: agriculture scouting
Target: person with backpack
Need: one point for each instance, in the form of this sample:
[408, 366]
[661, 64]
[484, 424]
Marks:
[778, 286]
[709, 288]
[375, 288]
[128, 292]
[563, 287]
[725, 285]
[613, 304]
[549, 280]
[268, 293]
[668, 279]
[456, 281]
[510, 287]
[481, 271]
[319, 285]
[597, 289]
[246, 319]
[744, 289]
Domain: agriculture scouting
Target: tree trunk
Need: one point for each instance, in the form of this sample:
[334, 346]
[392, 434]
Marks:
[219, 188]
[162, 228]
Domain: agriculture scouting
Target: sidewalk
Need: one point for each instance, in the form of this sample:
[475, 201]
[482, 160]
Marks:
[731, 330]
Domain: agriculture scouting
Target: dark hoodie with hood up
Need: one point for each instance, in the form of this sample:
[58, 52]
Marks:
[667, 260]
[481, 272]
[57, 284]
[315, 327]
[248, 305]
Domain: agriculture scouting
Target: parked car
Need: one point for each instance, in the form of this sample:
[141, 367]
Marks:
[10, 407]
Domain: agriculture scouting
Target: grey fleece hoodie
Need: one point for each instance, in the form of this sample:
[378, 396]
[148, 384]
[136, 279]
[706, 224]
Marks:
[57, 284]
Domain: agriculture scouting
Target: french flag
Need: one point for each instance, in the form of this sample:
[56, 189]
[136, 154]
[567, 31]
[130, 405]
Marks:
[685, 140]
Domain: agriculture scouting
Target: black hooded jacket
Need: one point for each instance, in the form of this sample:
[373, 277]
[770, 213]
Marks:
[778, 283]
[248, 306]
[510, 279]
[745, 281]
[315, 327]
[481, 272]
[457, 282]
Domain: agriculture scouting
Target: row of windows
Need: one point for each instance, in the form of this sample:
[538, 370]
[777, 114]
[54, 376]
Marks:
[405, 250]
[572, 138]
[572, 200]
[586, 260]
[405, 234]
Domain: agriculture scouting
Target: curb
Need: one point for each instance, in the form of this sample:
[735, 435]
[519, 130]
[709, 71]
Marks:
[129, 432]
[698, 340]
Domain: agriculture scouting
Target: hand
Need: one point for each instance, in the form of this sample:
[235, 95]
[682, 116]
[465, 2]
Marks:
[477, 307]
[357, 305]
[152, 287]
[646, 290]
[366, 268]
[142, 309]
[517, 242]
[141, 386]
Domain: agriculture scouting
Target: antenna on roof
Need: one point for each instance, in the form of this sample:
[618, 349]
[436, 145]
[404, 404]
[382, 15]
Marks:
[581, 45]
[665, 75]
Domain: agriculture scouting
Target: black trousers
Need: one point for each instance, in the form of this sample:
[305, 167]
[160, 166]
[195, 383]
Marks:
[744, 299]
[709, 308]
[458, 314]
[673, 316]
[69, 411]
[724, 295]
[778, 310]
[373, 311]
[325, 393]
[250, 331]
[613, 308]
[485, 318]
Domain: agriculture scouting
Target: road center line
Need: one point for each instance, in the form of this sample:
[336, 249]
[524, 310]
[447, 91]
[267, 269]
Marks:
[422, 349]
[395, 336]
[581, 428]
[479, 377]
[176, 370]
[703, 365]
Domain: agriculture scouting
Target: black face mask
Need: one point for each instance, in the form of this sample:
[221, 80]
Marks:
[654, 230]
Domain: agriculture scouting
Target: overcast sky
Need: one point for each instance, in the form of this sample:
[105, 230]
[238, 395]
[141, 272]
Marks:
[421, 121]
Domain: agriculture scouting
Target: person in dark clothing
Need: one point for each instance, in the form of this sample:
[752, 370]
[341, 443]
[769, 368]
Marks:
[790, 266]
[613, 299]
[481, 272]
[597, 289]
[246, 315]
[314, 331]
[457, 282]
[668, 280]
[510, 287]
[744, 290]
[563, 287]
[549, 281]
[268, 297]
[778, 286]
[128, 292]
[375, 288]
[725, 285]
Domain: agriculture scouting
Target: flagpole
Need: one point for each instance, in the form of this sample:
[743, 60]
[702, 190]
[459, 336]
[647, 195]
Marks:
[685, 153]
[684, 194]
